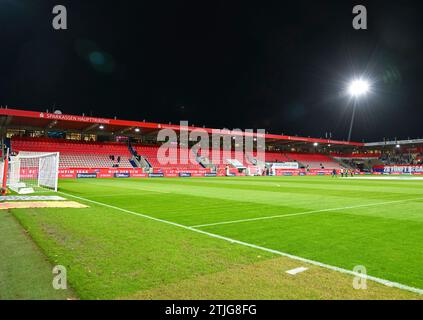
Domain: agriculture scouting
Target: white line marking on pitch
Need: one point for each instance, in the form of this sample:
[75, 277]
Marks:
[246, 244]
[296, 271]
[301, 213]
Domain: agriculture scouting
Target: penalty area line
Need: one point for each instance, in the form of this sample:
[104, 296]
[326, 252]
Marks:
[250, 245]
[302, 213]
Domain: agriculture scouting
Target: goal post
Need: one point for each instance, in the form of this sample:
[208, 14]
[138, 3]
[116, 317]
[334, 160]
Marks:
[4, 163]
[30, 172]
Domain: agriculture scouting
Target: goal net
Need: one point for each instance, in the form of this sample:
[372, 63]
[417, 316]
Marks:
[29, 172]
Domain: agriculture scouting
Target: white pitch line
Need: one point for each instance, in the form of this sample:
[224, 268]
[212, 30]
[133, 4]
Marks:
[302, 213]
[246, 244]
[296, 271]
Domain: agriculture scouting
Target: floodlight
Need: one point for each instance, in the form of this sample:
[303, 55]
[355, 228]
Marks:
[101, 127]
[358, 87]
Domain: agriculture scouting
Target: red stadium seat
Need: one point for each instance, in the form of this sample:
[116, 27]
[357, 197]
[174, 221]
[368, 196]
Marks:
[77, 154]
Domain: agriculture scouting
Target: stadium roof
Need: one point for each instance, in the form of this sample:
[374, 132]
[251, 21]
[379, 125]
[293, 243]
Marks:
[394, 143]
[16, 118]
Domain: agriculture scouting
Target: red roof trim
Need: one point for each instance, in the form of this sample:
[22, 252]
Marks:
[150, 125]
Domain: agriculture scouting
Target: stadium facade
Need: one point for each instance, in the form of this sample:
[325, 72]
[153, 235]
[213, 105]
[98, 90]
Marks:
[91, 147]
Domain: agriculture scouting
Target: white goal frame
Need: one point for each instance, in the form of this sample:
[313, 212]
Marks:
[28, 170]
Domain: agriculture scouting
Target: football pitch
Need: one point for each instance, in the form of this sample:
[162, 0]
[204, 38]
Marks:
[235, 237]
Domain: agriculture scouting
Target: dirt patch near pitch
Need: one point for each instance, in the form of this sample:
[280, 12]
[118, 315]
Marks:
[41, 204]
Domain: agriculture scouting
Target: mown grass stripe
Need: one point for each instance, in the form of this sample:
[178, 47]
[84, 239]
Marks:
[304, 213]
[246, 244]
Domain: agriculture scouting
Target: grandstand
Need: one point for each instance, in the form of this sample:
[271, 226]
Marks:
[171, 160]
[277, 157]
[77, 154]
[99, 143]
[315, 161]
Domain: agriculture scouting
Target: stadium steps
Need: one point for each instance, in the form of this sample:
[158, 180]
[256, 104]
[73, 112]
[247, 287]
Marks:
[147, 162]
[133, 163]
[342, 163]
[143, 163]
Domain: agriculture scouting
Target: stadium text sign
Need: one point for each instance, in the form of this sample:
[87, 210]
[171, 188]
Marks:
[66, 117]
[285, 165]
[400, 169]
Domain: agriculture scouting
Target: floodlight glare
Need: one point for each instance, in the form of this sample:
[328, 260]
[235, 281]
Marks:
[358, 87]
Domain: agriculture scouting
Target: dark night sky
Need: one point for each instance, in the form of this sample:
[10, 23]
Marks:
[276, 65]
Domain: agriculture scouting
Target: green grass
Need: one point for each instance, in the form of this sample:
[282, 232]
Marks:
[112, 254]
[25, 273]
